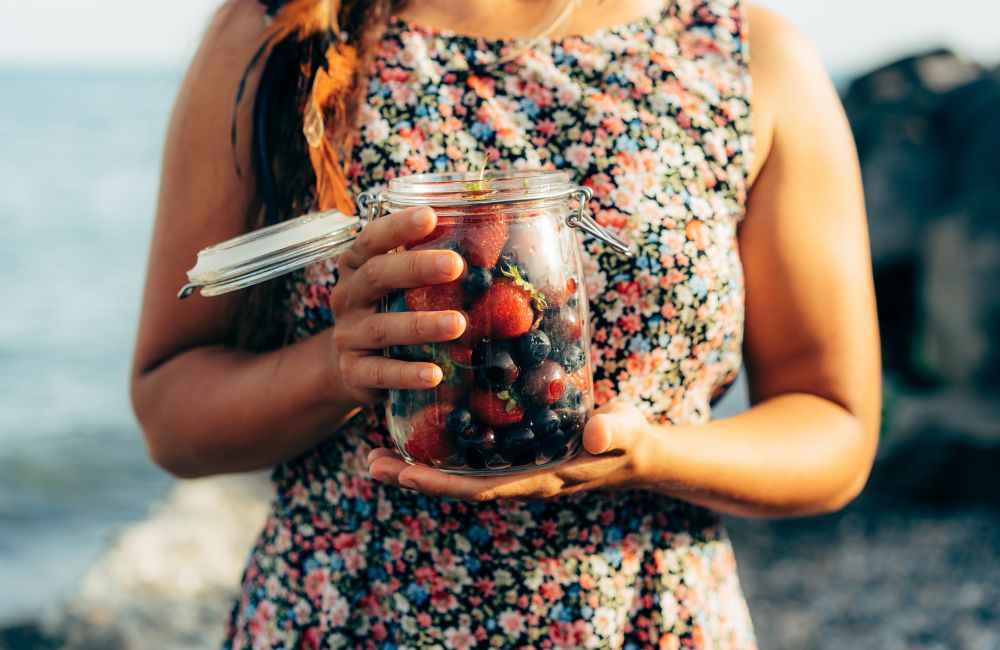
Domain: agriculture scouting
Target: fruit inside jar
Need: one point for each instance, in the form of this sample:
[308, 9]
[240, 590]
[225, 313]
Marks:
[517, 385]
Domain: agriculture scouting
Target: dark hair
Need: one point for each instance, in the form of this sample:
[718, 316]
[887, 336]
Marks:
[294, 51]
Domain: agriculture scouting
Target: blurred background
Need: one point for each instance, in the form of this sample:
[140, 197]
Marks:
[100, 549]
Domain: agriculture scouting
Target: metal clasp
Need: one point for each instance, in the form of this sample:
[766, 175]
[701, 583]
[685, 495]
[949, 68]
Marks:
[582, 220]
[370, 207]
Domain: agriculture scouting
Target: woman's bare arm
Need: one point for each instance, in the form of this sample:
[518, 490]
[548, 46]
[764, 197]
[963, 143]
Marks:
[207, 408]
[807, 444]
[204, 407]
[811, 345]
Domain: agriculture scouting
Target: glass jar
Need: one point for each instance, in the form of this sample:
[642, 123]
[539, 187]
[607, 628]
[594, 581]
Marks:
[517, 387]
[518, 384]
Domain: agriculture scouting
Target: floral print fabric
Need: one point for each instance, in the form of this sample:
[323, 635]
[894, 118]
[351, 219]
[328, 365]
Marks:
[654, 117]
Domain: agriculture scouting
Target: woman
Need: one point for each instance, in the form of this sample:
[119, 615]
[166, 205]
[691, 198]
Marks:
[733, 212]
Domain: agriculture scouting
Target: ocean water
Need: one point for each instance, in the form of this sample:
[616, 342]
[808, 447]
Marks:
[79, 163]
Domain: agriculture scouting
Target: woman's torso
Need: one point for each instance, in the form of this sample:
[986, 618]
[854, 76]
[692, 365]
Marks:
[654, 117]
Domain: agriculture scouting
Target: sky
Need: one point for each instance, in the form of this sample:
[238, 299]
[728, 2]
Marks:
[851, 35]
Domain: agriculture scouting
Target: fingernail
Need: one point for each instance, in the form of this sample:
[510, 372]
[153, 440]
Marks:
[408, 482]
[379, 476]
[427, 375]
[422, 217]
[448, 323]
[446, 263]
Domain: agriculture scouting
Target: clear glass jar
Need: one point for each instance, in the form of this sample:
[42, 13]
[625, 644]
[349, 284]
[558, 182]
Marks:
[517, 388]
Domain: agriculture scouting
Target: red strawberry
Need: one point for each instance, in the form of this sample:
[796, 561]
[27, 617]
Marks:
[435, 297]
[482, 241]
[504, 312]
[427, 440]
[462, 355]
[441, 231]
[493, 410]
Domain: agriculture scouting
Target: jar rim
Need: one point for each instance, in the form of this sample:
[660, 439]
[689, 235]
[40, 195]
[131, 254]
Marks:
[497, 186]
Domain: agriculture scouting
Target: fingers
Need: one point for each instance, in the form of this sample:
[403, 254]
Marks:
[613, 428]
[409, 328]
[383, 273]
[385, 466]
[541, 484]
[388, 233]
[378, 372]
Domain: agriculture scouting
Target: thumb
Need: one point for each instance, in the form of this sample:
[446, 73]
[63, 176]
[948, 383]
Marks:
[613, 427]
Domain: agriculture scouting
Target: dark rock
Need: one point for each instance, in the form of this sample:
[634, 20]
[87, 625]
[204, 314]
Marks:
[27, 636]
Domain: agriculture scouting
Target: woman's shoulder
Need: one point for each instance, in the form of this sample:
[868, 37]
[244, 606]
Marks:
[787, 75]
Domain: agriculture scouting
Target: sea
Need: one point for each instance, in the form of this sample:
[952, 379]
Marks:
[79, 163]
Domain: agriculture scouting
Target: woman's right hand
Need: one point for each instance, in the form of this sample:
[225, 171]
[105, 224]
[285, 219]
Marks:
[371, 268]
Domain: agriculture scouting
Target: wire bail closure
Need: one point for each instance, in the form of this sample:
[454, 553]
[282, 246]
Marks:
[372, 206]
[582, 220]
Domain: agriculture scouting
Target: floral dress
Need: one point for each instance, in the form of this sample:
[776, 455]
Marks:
[654, 116]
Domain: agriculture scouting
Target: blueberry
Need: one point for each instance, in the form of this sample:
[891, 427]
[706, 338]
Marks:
[572, 420]
[545, 422]
[497, 371]
[477, 281]
[572, 358]
[516, 439]
[458, 422]
[555, 446]
[532, 348]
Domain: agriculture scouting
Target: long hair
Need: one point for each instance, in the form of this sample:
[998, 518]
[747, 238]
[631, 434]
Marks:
[315, 58]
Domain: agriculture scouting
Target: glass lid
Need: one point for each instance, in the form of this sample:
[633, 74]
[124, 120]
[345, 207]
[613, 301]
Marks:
[269, 252]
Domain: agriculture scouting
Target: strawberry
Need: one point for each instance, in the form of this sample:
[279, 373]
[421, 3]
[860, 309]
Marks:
[428, 441]
[504, 312]
[495, 410]
[443, 230]
[481, 240]
[435, 297]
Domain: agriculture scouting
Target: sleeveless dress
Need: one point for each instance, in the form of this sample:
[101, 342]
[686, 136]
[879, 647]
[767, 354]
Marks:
[654, 116]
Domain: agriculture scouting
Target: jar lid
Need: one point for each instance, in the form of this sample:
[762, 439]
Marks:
[269, 252]
[472, 188]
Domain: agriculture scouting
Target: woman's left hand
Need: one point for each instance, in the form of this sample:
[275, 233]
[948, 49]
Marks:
[614, 456]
